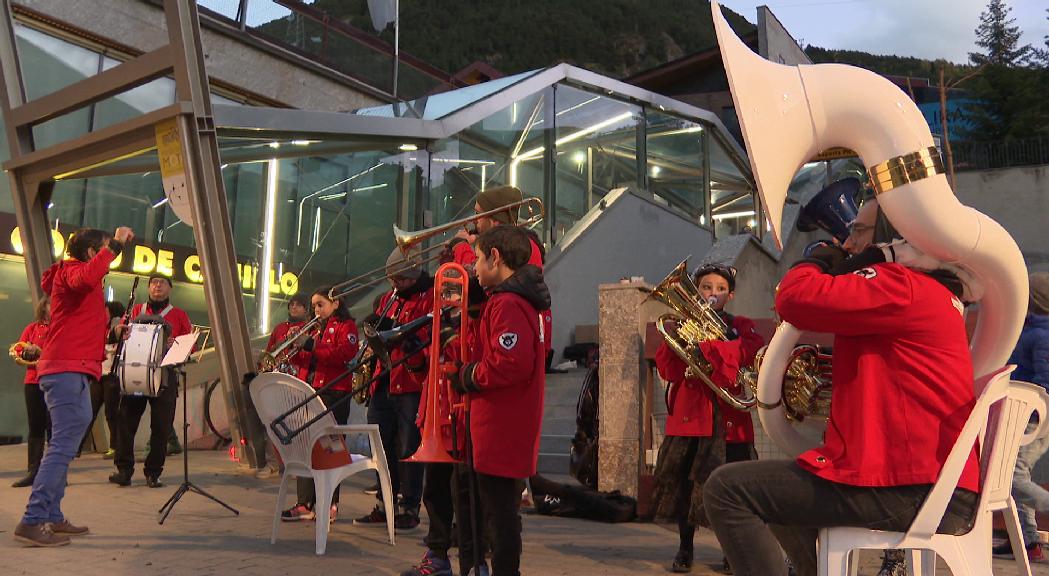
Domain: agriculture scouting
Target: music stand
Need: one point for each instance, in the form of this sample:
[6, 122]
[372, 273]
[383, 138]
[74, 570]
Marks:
[177, 358]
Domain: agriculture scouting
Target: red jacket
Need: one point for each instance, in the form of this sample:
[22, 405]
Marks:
[410, 376]
[506, 410]
[690, 402]
[464, 255]
[76, 340]
[34, 333]
[173, 315]
[335, 346]
[902, 374]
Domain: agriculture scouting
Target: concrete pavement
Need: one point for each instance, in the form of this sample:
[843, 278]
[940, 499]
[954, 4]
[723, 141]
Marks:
[202, 538]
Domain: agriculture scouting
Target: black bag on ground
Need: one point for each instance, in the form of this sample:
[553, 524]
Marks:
[569, 501]
[582, 462]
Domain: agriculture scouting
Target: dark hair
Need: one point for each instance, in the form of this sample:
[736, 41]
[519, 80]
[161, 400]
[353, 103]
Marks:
[85, 239]
[342, 312]
[726, 272]
[300, 299]
[40, 311]
[512, 242]
[116, 309]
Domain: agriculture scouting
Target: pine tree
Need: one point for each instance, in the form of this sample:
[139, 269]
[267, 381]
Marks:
[998, 35]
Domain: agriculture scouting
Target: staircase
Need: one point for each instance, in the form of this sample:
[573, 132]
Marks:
[555, 443]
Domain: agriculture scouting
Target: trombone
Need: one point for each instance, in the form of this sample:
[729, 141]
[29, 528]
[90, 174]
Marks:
[406, 241]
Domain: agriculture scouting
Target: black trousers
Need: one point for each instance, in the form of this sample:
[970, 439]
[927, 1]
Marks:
[39, 425]
[306, 492]
[497, 504]
[395, 415]
[440, 507]
[161, 419]
[756, 507]
[106, 392]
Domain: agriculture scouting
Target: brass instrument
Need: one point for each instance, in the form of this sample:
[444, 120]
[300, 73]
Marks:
[15, 351]
[697, 321]
[277, 359]
[806, 383]
[408, 241]
[362, 375]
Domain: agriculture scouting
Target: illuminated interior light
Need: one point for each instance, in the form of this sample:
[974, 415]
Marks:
[274, 145]
[223, 167]
[751, 222]
[655, 171]
[536, 152]
[579, 157]
[727, 215]
[161, 203]
[263, 291]
[50, 205]
[462, 161]
[303, 142]
[316, 230]
[408, 147]
[702, 219]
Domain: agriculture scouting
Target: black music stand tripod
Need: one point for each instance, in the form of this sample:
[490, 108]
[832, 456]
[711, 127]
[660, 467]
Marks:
[187, 485]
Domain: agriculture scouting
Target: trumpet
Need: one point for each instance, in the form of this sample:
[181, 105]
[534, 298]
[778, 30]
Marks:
[15, 351]
[407, 241]
[280, 356]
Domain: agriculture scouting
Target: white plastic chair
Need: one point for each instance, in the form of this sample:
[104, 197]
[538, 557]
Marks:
[1000, 416]
[275, 393]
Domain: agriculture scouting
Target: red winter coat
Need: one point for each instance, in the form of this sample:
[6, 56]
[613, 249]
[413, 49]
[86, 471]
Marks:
[173, 315]
[902, 374]
[410, 376]
[506, 410]
[690, 402]
[76, 340]
[34, 333]
[335, 346]
[464, 255]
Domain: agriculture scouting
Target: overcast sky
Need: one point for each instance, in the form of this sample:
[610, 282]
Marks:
[923, 28]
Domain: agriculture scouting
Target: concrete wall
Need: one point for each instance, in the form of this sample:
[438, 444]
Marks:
[1018, 198]
[140, 25]
[633, 237]
[774, 41]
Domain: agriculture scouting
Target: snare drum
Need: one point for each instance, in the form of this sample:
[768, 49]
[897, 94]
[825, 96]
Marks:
[140, 371]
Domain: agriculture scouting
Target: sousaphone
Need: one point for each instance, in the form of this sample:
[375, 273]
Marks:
[789, 114]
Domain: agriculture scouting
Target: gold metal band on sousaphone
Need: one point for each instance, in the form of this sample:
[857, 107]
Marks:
[904, 169]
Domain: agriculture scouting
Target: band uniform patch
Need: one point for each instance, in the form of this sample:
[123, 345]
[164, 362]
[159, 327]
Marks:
[867, 273]
[508, 340]
[353, 338]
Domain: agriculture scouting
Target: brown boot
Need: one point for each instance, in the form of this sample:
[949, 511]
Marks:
[39, 535]
[66, 527]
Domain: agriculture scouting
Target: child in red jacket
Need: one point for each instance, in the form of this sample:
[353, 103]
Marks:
[505, 389]
[39, 421]
[702, 431]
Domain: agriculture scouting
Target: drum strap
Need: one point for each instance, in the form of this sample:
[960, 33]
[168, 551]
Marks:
[141, 309]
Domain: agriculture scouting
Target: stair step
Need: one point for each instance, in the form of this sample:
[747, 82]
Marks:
[553, 463]
[559, 426]
[555, 444]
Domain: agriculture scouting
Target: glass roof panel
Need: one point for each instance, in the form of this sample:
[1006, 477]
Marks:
[440, 105]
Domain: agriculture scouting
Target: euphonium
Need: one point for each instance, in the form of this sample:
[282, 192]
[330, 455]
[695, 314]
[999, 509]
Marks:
[282, 354]
[15, 351]
[697, 321]
[806, 382]
[789, 114]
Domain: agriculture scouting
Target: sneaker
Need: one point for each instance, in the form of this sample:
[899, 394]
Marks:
[372, 490]
[109, 454]
[66, 527]
[24, 482]
[121, 478]
[154, 482]
[297, 513]
[894, 563]
[682, 563]
[1035, 554]
[431, 565]
[406, 521]
[374, 518]
[39, 535]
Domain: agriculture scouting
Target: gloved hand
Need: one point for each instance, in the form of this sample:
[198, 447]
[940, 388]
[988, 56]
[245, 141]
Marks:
[823, 254]
[869, 257]
[462, 380]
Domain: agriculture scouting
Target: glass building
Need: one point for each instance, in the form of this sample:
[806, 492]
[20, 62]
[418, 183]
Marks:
[313, 195]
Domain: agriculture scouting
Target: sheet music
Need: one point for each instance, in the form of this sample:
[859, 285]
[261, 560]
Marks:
[180, 350]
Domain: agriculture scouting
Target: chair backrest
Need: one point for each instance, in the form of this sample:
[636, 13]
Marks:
[274, 394]
[994, 388]
[1005, 433]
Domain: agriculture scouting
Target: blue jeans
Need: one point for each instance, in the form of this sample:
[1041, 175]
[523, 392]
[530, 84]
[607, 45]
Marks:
[68, 398]
[1030, 497]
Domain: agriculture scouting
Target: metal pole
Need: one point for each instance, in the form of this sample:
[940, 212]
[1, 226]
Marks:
[396, 43]
[211, 228]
